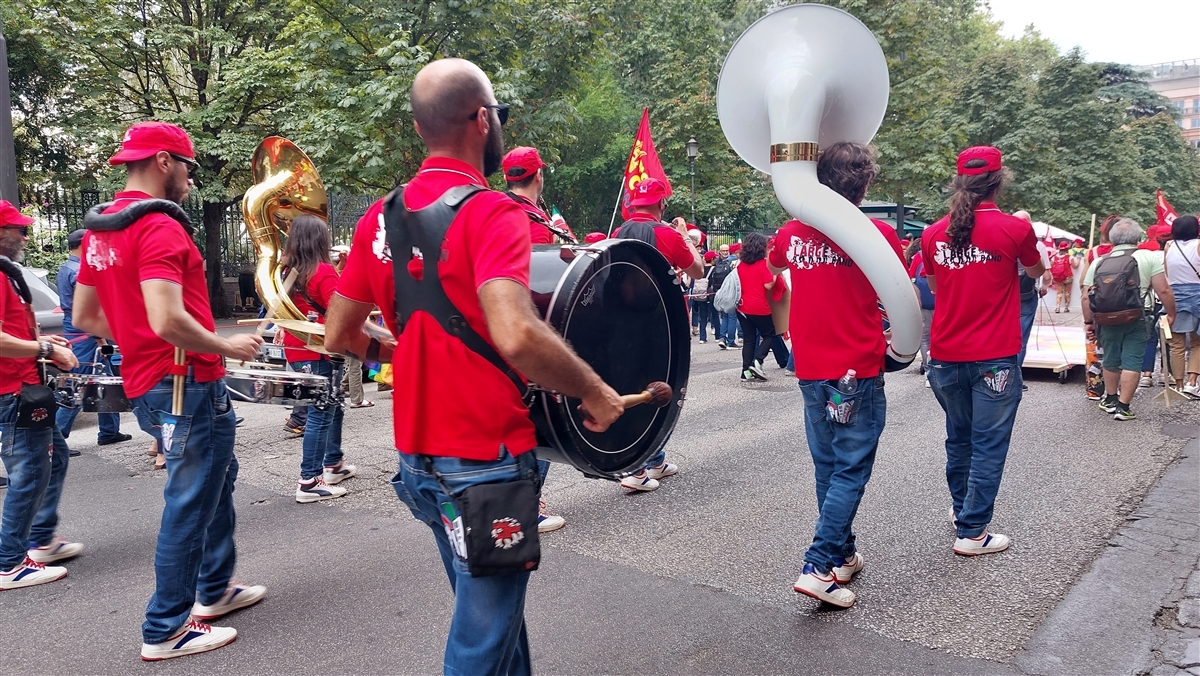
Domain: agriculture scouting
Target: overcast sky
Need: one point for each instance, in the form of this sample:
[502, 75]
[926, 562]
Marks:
[1141, 32]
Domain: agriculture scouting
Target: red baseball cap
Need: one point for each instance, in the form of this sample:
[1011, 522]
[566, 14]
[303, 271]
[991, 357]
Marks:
[593, 237]
[521, 163]
[10, 217]
[649, 191]
[735, 247]
[710, 256]
[1064, 244]
[981, 160]
[1158, 231]
[146, 139]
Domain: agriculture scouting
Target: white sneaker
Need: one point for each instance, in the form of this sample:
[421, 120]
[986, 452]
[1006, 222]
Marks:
[823, 587]
[316, 490]
[336, 475]
[1145, 381]
[843, 570]
[1193, 390]
[236, 597]
[548, 522]
[988, 543]
[664, 470]
[30, 573]
[757, 369]
[193, 637]
[640, 482]
[57, 550]
[927, 384]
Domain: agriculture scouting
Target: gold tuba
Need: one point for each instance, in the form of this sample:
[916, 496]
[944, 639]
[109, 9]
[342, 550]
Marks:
[286, 184]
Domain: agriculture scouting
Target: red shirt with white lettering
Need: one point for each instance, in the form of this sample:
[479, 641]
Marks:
[14, 320]
[977, 315]
[155, 247]
[754, 278]
[667, 240]
[320, 287]
[835, 317]
[449, 401]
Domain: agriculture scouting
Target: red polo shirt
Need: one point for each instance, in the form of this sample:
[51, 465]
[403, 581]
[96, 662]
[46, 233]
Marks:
[155, 247]
[835, 317]
[449, 401]
[320, 288]
[14, 321]
[977, 315]
[538, 232]
[754, 279]
[667, 240]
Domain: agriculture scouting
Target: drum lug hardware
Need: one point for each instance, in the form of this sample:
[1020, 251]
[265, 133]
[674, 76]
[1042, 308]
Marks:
[567, 253]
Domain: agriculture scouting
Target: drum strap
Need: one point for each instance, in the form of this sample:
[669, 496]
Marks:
[420, 234]
[95, 219]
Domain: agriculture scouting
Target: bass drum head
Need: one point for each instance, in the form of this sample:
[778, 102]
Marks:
[619, 305]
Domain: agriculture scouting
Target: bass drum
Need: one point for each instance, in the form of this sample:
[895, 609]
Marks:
[619, 305]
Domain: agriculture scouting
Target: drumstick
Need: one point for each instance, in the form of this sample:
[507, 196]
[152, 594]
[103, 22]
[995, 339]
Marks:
[270, 314]
[177, 383]
[657, 393]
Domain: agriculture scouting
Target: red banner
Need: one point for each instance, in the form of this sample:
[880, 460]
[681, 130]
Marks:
[1166, 212]
[643, 163]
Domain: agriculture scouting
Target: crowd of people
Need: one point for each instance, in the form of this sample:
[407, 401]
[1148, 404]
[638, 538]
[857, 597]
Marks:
[456, 312]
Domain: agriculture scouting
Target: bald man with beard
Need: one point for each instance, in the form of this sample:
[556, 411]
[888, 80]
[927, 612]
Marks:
[460, 423]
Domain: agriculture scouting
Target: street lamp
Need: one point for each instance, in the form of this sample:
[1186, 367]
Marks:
[693, 149]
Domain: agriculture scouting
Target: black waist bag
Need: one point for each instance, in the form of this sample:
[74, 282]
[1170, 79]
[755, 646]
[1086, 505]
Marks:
[36, 407]
[500, 524]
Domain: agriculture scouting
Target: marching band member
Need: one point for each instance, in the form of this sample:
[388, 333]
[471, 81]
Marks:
[835, 320]
[649, 200]
[35, 454]
[971, 258]
[321, 466]
[523, 172]
[461, 425]
[143, 284]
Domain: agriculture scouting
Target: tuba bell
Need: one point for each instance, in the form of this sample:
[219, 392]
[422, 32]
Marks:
[286, 185]
[801, 77]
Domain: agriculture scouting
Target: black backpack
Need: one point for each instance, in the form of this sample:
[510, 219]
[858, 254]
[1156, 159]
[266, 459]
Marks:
[720, 270]
[1115, 297]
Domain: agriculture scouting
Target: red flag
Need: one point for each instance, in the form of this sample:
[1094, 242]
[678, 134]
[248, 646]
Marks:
[643, 163]
[1166, 212]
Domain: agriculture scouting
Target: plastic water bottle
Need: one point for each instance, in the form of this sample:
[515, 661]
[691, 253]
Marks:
[848, 384]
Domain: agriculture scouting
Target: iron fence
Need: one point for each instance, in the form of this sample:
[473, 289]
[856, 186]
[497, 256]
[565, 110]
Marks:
[59, 211]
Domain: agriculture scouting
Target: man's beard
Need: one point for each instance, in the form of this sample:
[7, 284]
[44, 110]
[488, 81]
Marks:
[11, 248]
[493, 152]
[177, 191]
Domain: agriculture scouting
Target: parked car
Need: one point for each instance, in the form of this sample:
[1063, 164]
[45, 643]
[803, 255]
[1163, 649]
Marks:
[45, 300]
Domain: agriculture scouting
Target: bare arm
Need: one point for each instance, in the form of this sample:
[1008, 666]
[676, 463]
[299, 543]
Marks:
[1165, 295]
[171, 322]
[87, 314]
[348, 332]
[1036, 270]
[696, 269]
[932, 283]
[534, 349]
[13, 347]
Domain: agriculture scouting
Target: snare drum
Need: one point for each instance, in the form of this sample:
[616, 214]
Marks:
[619, 304]
[275, 387]
[93, 393]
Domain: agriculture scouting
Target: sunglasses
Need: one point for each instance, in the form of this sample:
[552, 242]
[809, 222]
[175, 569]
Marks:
[23, 229]
[192, 165]
[501, 112]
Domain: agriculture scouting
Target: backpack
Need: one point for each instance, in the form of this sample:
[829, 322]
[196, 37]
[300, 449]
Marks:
[1060, 269]
[1115, 297]
[729, 295]
[720, 270]
[922, 283]
[700, 286]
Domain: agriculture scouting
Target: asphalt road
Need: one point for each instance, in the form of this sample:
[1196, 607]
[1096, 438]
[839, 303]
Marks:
[693, 578]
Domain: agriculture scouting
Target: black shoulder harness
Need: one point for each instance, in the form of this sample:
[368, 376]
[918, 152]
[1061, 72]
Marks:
[421, 234]
[13, 272]
[98, 221]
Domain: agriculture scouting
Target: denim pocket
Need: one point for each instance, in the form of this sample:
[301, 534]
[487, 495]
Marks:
[222, 405]
[8, 435]
[173, 432]
[999, 378]
[841, 408]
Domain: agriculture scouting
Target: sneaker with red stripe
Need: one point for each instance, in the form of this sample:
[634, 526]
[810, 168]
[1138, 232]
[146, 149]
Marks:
[193, 637]
[823, 587]
[30, 573]
[988, 543]
[236, 597]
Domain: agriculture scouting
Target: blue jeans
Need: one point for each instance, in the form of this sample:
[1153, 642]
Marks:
[1151, 346]
[843, 455]
[195, 556]
[701, 316]
[980, 400]
[1029, 309]
[729, 328]
[36, 463]
[322, 446]
[487, 632]
[84, 347]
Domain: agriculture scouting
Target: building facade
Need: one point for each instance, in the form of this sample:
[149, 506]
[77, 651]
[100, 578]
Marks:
[1179, 81]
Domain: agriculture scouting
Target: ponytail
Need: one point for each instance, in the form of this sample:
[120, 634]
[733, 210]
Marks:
[969, 191]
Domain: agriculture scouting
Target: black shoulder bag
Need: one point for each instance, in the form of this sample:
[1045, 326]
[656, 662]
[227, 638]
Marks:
[36, 406]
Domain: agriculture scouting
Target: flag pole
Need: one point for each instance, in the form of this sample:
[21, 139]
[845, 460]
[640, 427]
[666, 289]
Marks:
[620, 194]
[1092, 236]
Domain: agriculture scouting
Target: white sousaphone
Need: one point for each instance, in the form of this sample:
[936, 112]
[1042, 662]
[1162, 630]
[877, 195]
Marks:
[804, 77]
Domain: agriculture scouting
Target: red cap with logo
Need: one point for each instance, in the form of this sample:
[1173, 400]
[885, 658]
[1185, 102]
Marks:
[146, 139]
[593, 237]
[979, 160]
[10, 217]
[521, 163]
[648, 192]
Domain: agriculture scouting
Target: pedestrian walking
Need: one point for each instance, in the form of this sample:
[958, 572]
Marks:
[754, 312]
[1182, 267]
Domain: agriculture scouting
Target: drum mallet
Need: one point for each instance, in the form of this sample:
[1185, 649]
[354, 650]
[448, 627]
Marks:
[177, 382]
[657, 393]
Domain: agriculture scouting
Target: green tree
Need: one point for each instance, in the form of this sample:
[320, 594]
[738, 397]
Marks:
[1168, 162]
